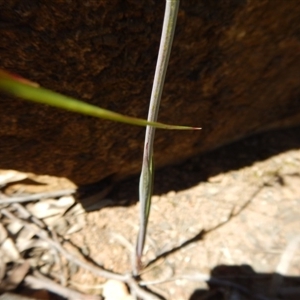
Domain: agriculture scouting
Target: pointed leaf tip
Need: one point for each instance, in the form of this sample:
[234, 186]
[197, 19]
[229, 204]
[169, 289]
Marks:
[20, 87]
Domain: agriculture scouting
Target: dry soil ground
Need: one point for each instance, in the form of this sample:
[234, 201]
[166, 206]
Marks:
[231, 217]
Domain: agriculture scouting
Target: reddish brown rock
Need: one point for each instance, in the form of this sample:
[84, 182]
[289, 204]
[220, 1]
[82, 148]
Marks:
[234, 70]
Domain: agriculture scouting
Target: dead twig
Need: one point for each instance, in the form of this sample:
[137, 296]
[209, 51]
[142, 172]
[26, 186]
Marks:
[41, 281]
[132, 282]
[26, 214]
[35, 197]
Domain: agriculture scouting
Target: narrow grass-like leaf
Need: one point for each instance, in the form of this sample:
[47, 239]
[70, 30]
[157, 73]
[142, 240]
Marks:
[145, 194]
[22, 88]
[147, 173]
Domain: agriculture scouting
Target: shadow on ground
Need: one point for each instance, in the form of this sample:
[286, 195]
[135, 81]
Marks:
[232, 157]
[243, 283]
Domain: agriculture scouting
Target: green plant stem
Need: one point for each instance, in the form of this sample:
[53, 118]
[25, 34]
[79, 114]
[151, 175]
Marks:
[146, 178]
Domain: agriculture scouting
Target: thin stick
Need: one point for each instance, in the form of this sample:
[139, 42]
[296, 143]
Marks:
[43, 234]
[146, 179]
[36, 197]
[50, 285]
[97, 270]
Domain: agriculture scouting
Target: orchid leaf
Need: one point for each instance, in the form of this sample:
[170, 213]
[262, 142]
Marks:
[25, 89]
[147, 173]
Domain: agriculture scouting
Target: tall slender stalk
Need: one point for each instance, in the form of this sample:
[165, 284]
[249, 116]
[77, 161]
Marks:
[146, 178]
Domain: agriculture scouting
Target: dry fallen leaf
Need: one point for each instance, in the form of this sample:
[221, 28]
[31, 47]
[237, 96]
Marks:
[8, 176]
[10, 296]
[10, 251]
[2, 266]
[115, 290]
[15, 276]
[14, 227]
[3, 233]
[50, 207]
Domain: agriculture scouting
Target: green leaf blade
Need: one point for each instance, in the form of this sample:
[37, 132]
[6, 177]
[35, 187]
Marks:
[30, 91]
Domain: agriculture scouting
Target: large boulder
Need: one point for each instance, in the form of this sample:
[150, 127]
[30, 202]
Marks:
[234, 70]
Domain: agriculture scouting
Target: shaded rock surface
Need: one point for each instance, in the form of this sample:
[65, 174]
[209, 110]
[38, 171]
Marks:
[234, 70]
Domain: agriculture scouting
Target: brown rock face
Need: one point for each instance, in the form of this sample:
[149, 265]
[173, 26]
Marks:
[234, 70]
